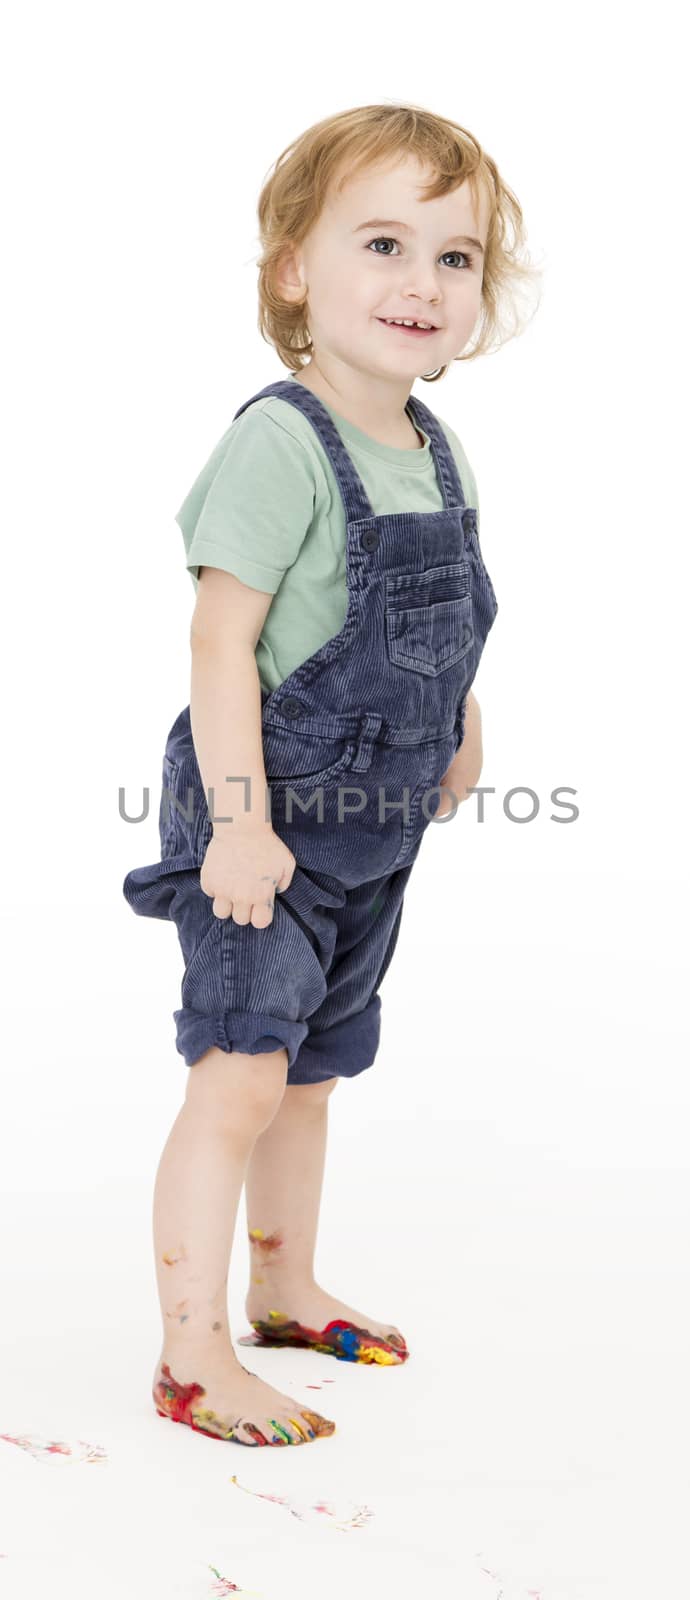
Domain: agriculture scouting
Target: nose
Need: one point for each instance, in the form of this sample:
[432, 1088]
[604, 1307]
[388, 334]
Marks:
[423, 297]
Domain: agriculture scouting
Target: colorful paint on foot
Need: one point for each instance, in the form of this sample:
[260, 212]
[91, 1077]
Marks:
[341, 1339]
[176, 1400]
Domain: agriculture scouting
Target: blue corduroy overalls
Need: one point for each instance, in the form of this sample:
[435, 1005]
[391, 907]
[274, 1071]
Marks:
[355, 741]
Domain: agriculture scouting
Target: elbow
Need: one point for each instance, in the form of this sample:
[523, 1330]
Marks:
[205, 638]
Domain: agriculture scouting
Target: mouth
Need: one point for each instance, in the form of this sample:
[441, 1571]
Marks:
[413, 332]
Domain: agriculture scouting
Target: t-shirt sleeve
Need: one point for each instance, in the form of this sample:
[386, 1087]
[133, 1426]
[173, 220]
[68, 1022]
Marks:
[250, 509]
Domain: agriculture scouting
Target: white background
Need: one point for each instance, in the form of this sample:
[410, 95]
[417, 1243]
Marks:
[509, 1182]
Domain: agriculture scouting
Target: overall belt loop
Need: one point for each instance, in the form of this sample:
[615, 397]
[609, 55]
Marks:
[368, 729]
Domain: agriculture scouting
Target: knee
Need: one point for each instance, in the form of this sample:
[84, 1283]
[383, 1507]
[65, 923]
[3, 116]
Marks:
[238, 1091]
[310, 1094]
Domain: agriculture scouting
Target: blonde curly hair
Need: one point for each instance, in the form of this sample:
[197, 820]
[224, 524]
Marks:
[336, 149]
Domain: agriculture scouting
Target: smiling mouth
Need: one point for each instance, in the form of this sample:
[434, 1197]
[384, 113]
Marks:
[400, 327]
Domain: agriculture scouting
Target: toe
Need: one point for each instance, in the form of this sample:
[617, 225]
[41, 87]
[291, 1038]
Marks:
[295, 1426]
[300, 1427]
[247, 1433]
[321, 1425]
[396, 1338]
[280, 1431]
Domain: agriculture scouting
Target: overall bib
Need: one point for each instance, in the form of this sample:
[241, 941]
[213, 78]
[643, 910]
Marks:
[355, 741]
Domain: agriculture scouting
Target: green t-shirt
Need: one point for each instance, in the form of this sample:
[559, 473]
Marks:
[267, 507]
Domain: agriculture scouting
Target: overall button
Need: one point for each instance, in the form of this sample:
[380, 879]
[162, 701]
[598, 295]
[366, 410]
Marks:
[370, 539]
[291, 706]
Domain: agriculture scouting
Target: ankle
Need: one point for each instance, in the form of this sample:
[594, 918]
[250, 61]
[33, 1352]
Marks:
[212, 1350]
[277, 1280]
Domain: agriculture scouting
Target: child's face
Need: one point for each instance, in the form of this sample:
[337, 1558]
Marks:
[430, 273]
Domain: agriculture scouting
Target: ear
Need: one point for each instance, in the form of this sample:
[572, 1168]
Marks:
[289, 275]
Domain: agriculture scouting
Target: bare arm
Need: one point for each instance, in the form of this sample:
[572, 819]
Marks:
[245, 861]
[225, 700]
[465, 768]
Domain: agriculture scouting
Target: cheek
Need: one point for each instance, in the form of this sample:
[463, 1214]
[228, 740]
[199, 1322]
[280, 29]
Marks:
[353, 299]
[330, 290]
[341, 296]
[464, 308]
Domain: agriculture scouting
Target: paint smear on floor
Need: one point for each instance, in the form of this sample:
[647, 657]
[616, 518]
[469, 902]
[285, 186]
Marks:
[344, 1521]
[42, 1449]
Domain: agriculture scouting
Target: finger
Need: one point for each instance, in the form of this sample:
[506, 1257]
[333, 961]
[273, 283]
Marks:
[221, 908]
[262, 913]
[240, 912]
[271, 887]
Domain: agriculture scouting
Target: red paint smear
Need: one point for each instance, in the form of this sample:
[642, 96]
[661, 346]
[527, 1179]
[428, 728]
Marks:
[343, 1339]
[178, 1407]
[272, 1241]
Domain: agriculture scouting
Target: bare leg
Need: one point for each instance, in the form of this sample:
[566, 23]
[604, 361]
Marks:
[230, 1098]
[284, 1182]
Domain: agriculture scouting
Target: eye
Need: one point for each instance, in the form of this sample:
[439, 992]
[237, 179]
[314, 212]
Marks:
[464, 254]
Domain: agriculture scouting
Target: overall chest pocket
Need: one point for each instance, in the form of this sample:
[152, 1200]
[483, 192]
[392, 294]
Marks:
[429, 618]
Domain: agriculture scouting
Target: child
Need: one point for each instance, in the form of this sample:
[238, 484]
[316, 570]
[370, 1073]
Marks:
[342, 607]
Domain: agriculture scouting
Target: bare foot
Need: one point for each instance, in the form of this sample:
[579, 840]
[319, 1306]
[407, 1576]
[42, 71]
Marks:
[303, 1314]
[224, 1400]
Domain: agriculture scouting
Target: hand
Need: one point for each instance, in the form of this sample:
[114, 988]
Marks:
[242, 871]
[465, 768]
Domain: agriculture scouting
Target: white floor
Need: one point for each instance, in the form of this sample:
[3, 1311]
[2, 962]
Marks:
[536, 1448]
[509, 1184]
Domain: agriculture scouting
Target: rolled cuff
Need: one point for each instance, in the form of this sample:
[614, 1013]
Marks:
[251, 1032]
[341, 1051]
